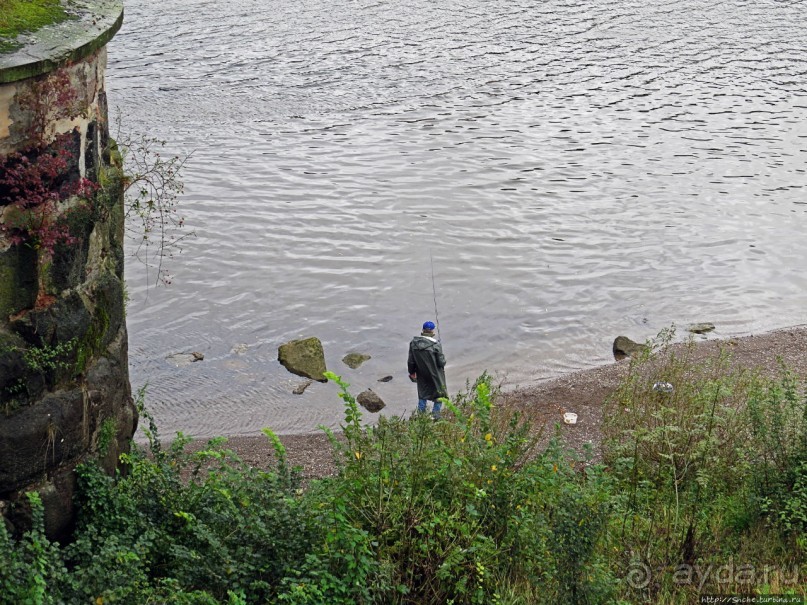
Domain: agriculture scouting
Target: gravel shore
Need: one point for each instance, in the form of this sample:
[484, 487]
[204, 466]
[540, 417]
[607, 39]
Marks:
[582, 392]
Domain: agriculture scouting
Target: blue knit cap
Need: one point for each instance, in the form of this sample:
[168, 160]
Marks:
[428, 326]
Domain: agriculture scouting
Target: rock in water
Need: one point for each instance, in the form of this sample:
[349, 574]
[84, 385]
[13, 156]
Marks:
[370, 401]
[239, 349]
[625, 347]
[301, 388]
[354, 360]
[702, 328]
[182, 359]
[304, 357]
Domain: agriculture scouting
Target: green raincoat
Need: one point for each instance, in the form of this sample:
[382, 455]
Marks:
[426, 359]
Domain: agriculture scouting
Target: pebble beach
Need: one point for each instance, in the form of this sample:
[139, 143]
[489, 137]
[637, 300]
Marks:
[582, 392]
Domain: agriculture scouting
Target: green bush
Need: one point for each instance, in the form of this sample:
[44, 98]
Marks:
[29, 565]
[711, 469]
[204, 523]
[464, 510]
[445, 512]
[777, 414]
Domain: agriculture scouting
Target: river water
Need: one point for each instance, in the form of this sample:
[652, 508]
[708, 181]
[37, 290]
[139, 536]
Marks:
[576, 171]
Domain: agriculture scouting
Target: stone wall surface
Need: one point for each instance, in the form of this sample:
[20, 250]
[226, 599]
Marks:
[64, 382]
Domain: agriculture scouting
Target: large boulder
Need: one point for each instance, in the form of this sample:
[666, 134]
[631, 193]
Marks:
[304, 357]
[67, 318]
[38, 438]
[625, 347]
[41, 443]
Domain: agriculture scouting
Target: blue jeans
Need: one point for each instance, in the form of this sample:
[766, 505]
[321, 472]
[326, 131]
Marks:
[435, 408]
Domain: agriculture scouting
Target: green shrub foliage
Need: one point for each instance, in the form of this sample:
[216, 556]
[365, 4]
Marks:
[709, 473]
[451, 509]
[465, 510]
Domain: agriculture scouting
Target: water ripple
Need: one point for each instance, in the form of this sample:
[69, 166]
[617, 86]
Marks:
[574, 169]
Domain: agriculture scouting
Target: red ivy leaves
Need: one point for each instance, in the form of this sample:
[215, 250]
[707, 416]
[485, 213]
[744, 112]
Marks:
[35, 180]
[48, 100]
[32, 183]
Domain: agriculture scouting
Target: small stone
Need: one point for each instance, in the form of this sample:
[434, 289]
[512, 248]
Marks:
[370, 401]
[301, 388]
[197, 356]
[239, 349]
[181, 359]
[701, 328]
[663, 387]
[354, 360]
[385, 379]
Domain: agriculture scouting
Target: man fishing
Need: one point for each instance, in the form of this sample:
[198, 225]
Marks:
[426, 367]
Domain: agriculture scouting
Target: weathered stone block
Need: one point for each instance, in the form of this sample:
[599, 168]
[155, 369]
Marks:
[12, 366]
[107, 292]
[41, 436]
[69, 265]
[18, 280]
[65, 320]
[92, 154]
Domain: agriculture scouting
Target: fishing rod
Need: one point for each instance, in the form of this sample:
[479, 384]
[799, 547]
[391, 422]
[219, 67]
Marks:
[434, 293]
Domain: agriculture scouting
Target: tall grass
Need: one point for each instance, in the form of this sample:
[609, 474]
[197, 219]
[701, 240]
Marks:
[712, 470]
[453, 510]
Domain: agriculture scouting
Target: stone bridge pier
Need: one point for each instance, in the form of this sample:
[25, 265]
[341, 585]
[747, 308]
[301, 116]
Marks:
[64, 381]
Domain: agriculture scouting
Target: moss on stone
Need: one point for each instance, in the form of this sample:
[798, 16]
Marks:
[7, 289]
[304, 357]
[12, 369]
[20, 16]
[93, 342]
[111, 177]
[88, 26]
[68, 268]
[18, 279]
[108, 294]
[106, 321]
[354, 360]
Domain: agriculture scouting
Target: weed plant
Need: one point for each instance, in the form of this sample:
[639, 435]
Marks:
[178, 527]
[710, 472]
[464, 510]
[448, 511]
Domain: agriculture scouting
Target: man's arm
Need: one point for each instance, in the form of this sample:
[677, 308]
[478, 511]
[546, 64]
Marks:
[441, 359]
[411, 365]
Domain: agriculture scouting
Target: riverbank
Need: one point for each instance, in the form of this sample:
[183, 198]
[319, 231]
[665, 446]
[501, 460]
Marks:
[582, 392]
